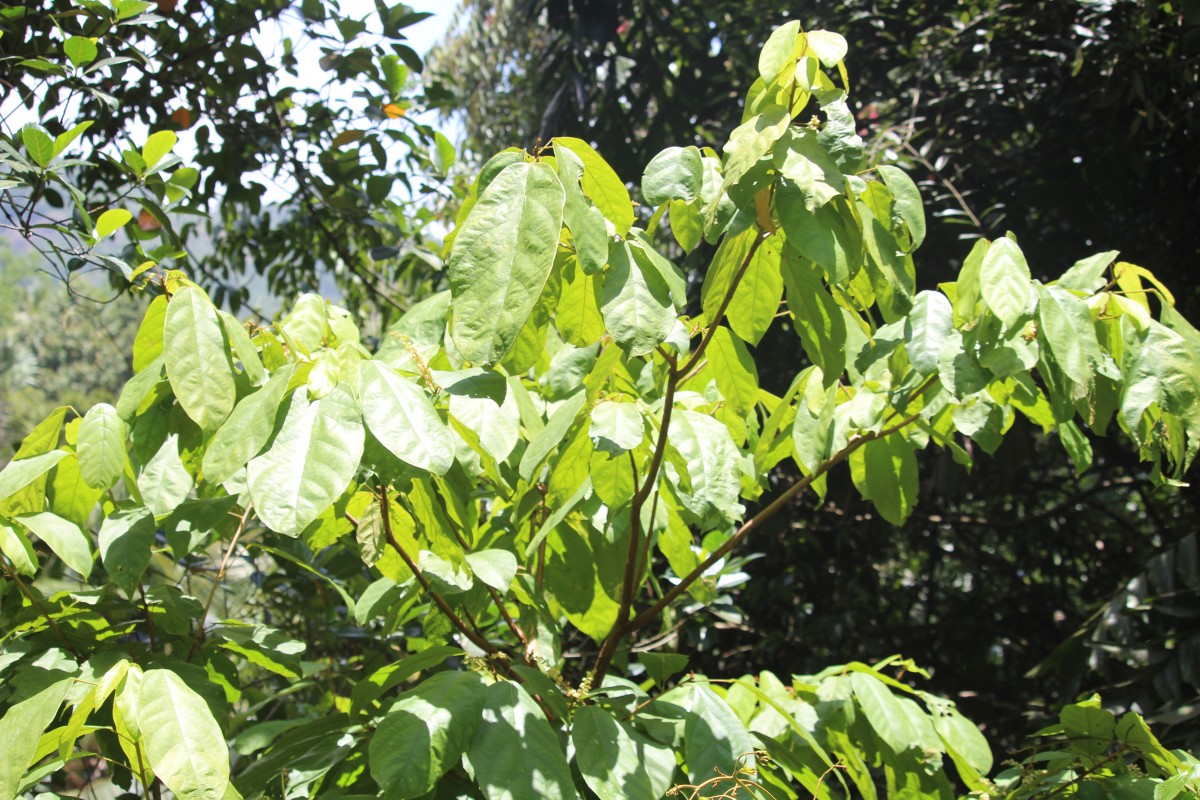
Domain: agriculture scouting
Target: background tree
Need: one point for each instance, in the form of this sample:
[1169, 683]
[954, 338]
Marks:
[1052, 118]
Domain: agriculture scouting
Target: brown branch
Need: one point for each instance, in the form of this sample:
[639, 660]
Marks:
[499, 601]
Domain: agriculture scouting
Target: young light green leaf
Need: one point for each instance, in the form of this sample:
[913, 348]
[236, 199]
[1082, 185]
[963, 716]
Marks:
[63, 537]
[496, 568]
[589, 231]
[578, 316]
[889, 719]
[1087, 275]
[617, 762]
[20, 731]
[197, 359]
[514, 753]
[80, 49]
[502, 256]
[779, 52]
[39, 144]
[164, 480]
[963, 739]
[1005, 281]
[616, 426]
[126, 537]
[749, 142]
[64, 139]
[544, 442]
[908, 202]
[676, 173]
[182, 742]
[401, 416]
[800, 157]
[16, 546]
[926, 329]
[111, 221]
[310, 463]
[247, 430]
[425, 733]
[148, 343]
[885, 472]
[816, 316]
[157, 145]
[712, 464]
[830, 236]
[636, 304]
[756, 299]
[1067, 330]
[21, 472]
[828, 46]
[602, 186]
[734, 370]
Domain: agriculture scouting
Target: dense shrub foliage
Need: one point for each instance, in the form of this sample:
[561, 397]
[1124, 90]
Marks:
[288, 564]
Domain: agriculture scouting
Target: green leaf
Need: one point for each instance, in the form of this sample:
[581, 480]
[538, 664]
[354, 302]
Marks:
[496, 568]
[712, 463]
[157, 145]
[676, 173]
[884, 712]
[963, 739]
[102, 454]
[19, 551]
[829, 236]
[756, 299]
[368, 690]
[779, 52]
[515, 754]
[749, 142]
[636, 304]
[20, 731]
[39, 144]
[64, 139]
[80, 49]
[111, 221]
[650, 260]
[662, 666]
[1087, 275]
[927, 329]
[1005, 281]
[148, 344]
[908, 202]
[616, 426]
[63, 537]
[589, 231]
[21, 472]
[616, 762]
[542, 444]
[1067, 330]
[602, 186]
[578, 316]
[126, 537]
[885, 472]
[734, 370]
[800, 157]
[828, 46]
[816, 316]
[401, 416]
[183, 742]
[164, 480]
[425, 733]
[197, 359]
[247, 430]
[502, 255]
[246, 352]
[70, 496]
[714, 738]
[311, 462]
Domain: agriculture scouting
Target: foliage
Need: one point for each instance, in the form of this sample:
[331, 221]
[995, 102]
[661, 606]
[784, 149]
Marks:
[311, 182]
[422, 571]
[1052, 118]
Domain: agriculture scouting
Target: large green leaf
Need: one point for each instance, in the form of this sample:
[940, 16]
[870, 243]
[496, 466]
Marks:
[425, 733]
[712, 464]
[102, 446]
[1066, 328]
[165, 482]
[1005, 281]
[734, 370]
[802, 159]
[890, 720]
[402, 417]
[616, 761]
[676, 173]
[927, 329]
[589, 231]
[829, 236]
[909, 207]
[578, 316]
[502, 256]
[885, 472]
[20, 473]
[713, 736]
[183, 742]
[126, 537]
[544, 442]
[816, 316]
[16, 547]
[247, 430]
[756, 299]
[616, 426]
[963, 740]
[635, 303]
[197, 359]
[602, 186]
[63, 537]
[21, 729]
[310, 463]
[515, 754]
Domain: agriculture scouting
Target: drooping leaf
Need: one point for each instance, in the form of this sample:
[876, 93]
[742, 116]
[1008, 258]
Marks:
[247, 430]
[197, 359]
[514, 753]
[17, 549]
[164, 481]
[502, 256]
[908, 207]
[635, 303]
[712, 464]
[550, 436]
[889, 719]
[425, 733]
[310, 463]
[589, 231]
[125, 540]
[756, 299]
[617, 762]
[401, 416]
[602, 186]
[926, 329]
[63, 537]
[101, 447]
[830, 236]
[494, 567]
[182, 740]
[885, 472]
